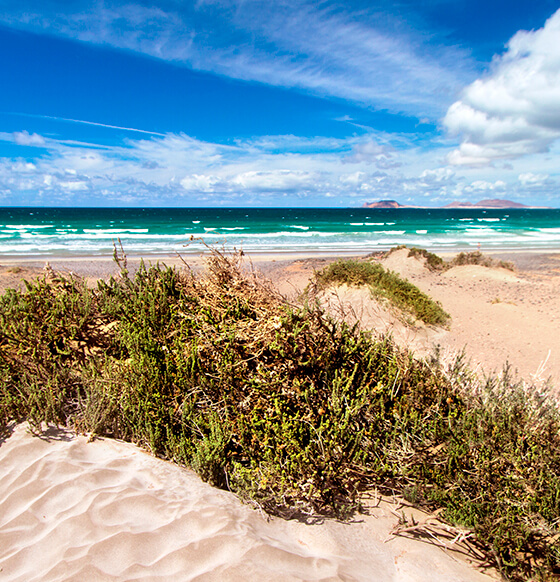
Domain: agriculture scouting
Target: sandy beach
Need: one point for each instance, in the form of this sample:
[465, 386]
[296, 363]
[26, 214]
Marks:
[105, 510]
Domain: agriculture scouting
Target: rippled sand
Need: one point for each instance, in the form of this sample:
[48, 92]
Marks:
[105, 510]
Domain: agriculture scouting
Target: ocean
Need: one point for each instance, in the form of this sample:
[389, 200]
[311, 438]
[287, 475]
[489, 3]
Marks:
[50, 232]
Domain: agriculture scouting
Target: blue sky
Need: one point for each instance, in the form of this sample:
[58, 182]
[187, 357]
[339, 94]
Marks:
[286, 103]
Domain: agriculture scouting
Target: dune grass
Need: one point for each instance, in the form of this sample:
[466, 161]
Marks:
[436, 263]
[433, 262]
[283, 405]
[478, 258]
[385, 285]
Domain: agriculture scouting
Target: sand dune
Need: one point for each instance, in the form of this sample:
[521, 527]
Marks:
[73, 510]
[497, 316]
[105, 510]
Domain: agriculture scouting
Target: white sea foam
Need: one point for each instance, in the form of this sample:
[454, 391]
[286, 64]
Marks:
[27, 226]
[34, 235]
[115, 230]
[462, 233]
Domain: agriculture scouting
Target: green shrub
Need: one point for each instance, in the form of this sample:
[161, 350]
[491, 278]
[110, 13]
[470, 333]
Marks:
[433, 261]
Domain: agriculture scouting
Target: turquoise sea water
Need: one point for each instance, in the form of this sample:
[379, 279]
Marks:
[44, 232]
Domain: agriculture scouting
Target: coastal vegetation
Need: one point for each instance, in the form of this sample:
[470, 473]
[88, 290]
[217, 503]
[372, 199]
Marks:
[283, 405]
[478, 258]
[384, 285]
[436, 263]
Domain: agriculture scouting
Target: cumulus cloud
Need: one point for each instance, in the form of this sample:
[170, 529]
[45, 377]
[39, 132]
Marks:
[276, 180]
[202, 183]
[371, 152]
[24, 138]
[180, 169]
[530, 179]
[485, 186]
[437, 175]
[277, 170]
[515, 109]
[23, 167]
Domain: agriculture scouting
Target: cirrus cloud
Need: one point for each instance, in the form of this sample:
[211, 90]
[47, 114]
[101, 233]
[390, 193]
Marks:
[365, 56]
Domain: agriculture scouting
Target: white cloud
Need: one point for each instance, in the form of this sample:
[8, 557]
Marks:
[74, 186]
[529, 178]
[437, 175]
[484, 186]
[23, 167]
[279, 180]
[201, 183]
[373, 153]
[366, 56]
[25, 139]
[355, 179]
[515, 110]
[276, 170]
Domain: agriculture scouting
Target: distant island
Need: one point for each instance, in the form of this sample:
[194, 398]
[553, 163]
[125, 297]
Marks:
[384, 204]
[491, 203]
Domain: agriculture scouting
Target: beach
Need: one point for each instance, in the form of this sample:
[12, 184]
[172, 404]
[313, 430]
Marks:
[498, 316]
[106, 510]
[280, 291]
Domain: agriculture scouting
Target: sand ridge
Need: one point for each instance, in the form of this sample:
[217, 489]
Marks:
[498, 316]
[105, 510]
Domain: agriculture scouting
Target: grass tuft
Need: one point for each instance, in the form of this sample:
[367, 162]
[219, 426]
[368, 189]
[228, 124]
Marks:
[433, 261]
[385, 285]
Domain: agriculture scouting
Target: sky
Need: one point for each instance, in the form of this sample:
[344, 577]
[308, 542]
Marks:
[290, 103]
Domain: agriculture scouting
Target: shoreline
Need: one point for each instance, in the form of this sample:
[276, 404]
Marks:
[88, 265]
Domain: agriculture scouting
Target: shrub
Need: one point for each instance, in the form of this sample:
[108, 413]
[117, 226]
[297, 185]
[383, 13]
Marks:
[433, 261]
[477, 258]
